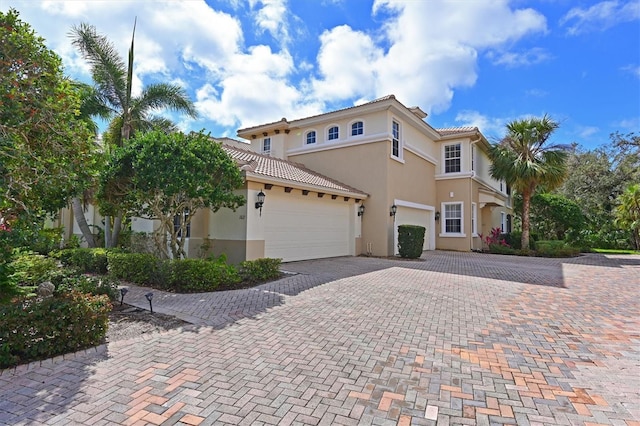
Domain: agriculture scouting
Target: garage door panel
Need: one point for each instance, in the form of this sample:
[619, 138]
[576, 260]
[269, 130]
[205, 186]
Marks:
[297, 229]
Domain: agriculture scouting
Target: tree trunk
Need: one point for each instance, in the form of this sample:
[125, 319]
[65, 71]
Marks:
[78, 213]
[107, 232]
[526, 202]
[117, 226]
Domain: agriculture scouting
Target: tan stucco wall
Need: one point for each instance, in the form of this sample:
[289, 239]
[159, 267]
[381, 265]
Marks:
[364, 167]
[462, 192]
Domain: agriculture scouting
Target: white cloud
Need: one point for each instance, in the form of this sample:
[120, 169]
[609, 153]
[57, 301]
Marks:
[587, 131]
[423, 52]
[493, 128]
[633, 70]
[600, 16]
[519, 59]
[536, 93]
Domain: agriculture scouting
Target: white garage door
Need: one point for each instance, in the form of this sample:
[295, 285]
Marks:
[411, 216]
[298, 228]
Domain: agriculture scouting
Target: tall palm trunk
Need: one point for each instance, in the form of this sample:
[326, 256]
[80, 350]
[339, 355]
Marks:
[78, 213]
[526, 204]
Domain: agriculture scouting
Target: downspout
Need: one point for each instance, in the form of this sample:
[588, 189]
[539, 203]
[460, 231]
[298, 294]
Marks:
[471, 144]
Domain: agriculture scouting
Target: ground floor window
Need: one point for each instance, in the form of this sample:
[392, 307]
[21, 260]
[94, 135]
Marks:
[453, 218]
[177, 222]
[474, 219]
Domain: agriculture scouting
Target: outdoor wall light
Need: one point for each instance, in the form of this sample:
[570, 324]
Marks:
[123, 291]
[393, 211]
[149, 297]
[437, 215]
[361, 210]
[260, 201]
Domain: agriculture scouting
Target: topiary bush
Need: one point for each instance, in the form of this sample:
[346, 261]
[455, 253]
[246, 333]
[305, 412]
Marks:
[86, 260]
[260, 270]
[410, 241]
[34, 329]
[137, 268]
[199, 275]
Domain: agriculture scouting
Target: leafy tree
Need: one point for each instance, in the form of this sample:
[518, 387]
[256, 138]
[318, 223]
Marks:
[553, 216]
[597, 180]
[44, 149]
[628, 213]
[525, 160]
[128, 114]
[162, 176]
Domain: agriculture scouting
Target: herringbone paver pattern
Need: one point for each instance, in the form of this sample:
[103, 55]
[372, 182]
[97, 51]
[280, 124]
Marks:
[455, 338]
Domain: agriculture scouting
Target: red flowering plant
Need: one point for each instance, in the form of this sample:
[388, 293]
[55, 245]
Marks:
[495, 238]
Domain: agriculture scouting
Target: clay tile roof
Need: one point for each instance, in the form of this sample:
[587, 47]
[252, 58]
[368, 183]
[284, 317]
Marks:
[384, 98]
[455, 130]
[286, 170]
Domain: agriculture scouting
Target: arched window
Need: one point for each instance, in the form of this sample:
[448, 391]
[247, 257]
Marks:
[357, 128]
[334, 133]
[311, 137]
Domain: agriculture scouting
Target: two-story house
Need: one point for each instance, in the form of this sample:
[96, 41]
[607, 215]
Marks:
[340, 183]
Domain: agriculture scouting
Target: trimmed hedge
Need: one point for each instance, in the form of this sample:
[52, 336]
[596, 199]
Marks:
[137, 268]
[89, 261]
[410, 241]
[198, 275]
[260, 270]
[555, 248]
[35, 329]
[31, 269]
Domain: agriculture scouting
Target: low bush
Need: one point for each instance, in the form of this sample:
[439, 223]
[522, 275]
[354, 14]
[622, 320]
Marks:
[87, 260]
[501, 249]
[30, 268]
[198, 275]
[35, 329]
[555, 248]
[410, 241]
[137, 268]
[94, 285]
[260, 270]
[46, 240]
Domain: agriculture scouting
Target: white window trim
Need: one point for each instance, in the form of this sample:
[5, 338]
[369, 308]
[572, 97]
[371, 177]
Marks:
[444, 160]
[443, 221]
[304, 137]
[474, 219]
[503, 222]
[400, 156]
[266, 151]
[326, 133]
[351, 123]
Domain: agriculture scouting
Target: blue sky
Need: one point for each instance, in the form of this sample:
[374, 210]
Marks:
[465, 62]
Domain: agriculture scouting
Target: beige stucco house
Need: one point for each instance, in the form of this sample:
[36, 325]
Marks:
[340, 183]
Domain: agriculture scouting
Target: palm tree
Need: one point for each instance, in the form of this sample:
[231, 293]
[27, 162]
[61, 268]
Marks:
[525, 161]
[89, 108]
[128, 114]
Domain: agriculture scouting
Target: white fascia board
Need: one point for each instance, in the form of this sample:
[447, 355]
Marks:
[253, 177]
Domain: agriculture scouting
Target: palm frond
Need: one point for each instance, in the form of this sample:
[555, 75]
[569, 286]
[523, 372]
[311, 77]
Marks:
[165, 96]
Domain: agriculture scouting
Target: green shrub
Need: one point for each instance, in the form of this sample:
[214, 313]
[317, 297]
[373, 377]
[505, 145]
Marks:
[194, 275]
[34, 329]
[94, 285]
[260, 270]
[31, 269]
[555, 248]
[137, 268]
[501, 249]
[47, 240]
[87, 260]
[410, 241]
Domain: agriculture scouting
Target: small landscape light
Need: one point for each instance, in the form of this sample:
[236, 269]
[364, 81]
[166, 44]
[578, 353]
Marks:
[123, 292]
[149, 297]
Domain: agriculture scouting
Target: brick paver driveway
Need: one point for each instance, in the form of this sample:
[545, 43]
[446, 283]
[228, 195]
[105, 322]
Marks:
[455, 338]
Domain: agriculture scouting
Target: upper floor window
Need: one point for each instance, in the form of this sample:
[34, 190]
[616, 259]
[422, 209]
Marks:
[311, 137]
[357, 128]
[473, 157]
[452, 156]
[334, 133]
[453, 218]
[395, 142]
[266, 146]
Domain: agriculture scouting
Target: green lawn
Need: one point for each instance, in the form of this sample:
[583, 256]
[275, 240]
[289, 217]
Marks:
[614, 251]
